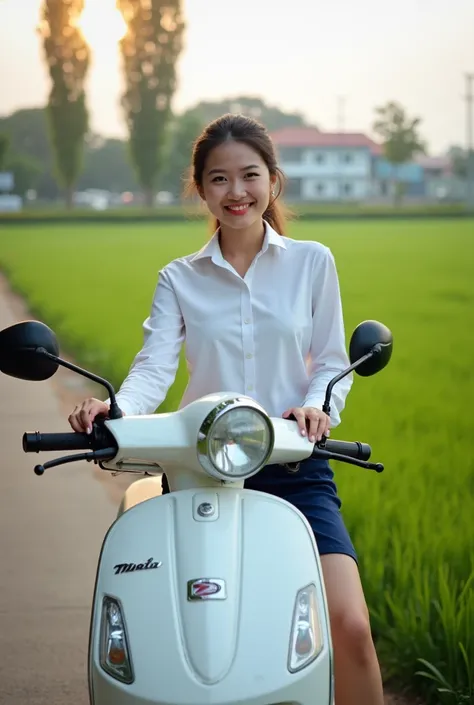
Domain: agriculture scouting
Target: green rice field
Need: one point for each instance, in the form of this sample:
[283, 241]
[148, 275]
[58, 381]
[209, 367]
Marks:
[413, 525]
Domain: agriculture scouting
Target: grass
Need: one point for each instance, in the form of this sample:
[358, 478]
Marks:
[412, 525]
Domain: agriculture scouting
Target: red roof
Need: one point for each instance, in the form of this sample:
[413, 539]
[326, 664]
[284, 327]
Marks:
[312, 137]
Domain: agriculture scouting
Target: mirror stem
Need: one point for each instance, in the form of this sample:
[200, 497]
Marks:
[115, 412]
[326, 406]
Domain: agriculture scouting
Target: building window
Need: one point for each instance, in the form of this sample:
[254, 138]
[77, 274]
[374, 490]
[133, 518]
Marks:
[346, 189]
[320, 188]
[316, 156]
[293, 189]
[347, 158]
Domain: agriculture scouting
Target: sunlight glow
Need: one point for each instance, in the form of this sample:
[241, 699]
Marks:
[101, 23]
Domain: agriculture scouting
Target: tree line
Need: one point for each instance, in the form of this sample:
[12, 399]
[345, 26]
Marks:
[106, 163]
[53, 151]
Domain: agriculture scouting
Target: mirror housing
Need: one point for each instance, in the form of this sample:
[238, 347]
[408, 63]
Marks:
[367, 337]
[29, 350]
[370, 350]
[20, 355]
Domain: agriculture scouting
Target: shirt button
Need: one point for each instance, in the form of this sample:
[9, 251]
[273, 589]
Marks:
[250, 387]
[247, 321]
[249, 356]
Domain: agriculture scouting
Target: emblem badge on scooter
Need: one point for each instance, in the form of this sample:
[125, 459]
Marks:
[207, 589]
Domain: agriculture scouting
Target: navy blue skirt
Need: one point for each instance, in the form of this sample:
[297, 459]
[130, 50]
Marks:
[313, 491]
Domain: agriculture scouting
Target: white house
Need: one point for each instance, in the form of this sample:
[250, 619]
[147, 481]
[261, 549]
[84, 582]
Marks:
[8, 201]
[326, 166]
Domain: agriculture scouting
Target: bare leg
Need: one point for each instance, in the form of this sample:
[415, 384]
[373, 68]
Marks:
[356, 669]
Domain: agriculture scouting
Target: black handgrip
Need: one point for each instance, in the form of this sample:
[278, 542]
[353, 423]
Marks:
[37, 442]
[354, 449]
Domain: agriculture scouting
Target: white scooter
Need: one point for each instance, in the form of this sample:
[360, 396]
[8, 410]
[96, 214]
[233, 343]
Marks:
[212, 594]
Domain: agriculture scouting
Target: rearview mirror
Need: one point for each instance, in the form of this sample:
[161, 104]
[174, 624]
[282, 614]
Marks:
[18, 351]
[370, 335]
[29, 350]
[370, 350]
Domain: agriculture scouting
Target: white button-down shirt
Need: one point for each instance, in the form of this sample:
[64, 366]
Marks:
[276, 335]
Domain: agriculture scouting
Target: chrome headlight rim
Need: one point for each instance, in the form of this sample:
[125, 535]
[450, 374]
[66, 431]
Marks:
[207, 426]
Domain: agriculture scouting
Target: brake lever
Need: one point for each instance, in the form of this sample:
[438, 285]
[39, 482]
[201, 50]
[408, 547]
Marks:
[101, 454]
[325, 454]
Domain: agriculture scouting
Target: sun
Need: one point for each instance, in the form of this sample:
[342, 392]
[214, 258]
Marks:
[101, 23]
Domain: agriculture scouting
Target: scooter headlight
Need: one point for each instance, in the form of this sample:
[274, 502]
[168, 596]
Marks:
[114, 651]
[236, 440]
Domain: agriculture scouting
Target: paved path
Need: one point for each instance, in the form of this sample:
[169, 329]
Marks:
[51, 529]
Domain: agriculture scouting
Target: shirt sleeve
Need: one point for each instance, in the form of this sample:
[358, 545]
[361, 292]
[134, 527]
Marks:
[154, 368]
[328, 356]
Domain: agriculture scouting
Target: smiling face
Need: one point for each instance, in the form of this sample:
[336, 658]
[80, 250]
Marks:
[236, 184]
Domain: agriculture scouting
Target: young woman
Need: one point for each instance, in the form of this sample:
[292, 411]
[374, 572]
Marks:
[261, 315]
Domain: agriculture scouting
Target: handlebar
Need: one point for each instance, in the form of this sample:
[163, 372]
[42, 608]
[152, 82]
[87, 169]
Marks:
[99, 439]
[37, 442]
[354, 449]
[102, 444]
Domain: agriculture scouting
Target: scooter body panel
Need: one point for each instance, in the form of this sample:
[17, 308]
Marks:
[233, 645]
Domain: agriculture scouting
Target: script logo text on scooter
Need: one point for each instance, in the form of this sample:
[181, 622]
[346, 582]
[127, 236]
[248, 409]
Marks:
[132, 567]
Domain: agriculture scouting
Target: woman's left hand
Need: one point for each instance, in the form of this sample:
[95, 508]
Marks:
[311, 421]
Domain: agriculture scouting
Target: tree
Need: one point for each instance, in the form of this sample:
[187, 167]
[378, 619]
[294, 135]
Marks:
[150, 50]
[459, 158]
[177, 157]
[401, 141]
[4, 142]
[26, 173]
[273, 118]
[107, 167]
[27, 130]
[67, 57]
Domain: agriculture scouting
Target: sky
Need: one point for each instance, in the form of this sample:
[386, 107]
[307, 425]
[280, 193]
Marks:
[300, 56]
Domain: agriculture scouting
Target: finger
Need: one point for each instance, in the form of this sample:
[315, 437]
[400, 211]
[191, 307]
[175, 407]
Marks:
[324, 427]
[85, 420]
[74, 423]
[314, 419]
[300, 417]
[321, 428]
[327, 430]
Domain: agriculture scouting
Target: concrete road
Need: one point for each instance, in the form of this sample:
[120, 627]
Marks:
[51, 529]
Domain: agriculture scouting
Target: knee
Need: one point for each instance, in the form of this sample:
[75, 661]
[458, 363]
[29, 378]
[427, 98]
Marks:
[351, 635]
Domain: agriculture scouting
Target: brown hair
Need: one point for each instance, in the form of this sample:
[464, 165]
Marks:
[250, 132]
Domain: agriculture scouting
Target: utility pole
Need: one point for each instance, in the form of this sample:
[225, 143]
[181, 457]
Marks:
[469, 98]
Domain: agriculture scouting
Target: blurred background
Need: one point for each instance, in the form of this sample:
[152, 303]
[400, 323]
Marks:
[367, 103]
[370, 107]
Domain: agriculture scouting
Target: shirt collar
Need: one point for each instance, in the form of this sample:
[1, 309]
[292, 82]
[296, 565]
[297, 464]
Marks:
[212, 248]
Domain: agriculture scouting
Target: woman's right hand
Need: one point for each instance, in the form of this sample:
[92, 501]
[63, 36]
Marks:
[84, 414]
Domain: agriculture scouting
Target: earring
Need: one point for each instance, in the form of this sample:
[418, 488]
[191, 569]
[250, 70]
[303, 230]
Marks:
[273, 191]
